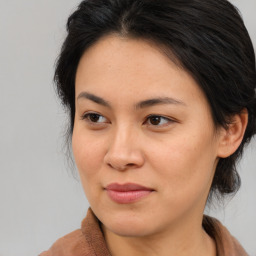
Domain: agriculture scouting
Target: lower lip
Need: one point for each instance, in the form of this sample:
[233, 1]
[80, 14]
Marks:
[126, 197]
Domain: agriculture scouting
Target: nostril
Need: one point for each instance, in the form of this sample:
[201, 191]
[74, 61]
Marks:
[127, 159]
[121, 168]
[110, 165]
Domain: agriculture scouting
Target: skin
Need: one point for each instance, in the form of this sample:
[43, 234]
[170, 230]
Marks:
[175, 154]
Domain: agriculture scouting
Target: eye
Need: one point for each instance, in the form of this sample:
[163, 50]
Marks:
[156, 120]
[94, 118]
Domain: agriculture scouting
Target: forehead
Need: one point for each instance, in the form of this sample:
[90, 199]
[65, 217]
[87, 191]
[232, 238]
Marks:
[134, 67]
[125, 56]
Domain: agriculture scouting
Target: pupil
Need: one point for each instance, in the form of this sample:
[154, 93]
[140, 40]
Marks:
[94, 117]
[155, 120]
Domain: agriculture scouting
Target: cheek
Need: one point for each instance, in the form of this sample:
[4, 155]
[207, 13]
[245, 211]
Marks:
[185, 165]
[88, 153]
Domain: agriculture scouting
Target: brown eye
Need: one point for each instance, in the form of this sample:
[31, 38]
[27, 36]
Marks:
[155, 120]
[94, 118]
[158, 120]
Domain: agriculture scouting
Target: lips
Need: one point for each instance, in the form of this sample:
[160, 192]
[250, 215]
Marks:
[127, 193]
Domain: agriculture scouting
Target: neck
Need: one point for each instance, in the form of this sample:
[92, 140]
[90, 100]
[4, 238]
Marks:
[182, 240]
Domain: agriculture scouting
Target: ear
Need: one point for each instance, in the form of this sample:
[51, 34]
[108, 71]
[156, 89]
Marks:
[231, 138]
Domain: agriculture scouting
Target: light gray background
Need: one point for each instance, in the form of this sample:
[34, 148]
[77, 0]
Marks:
[39, 200]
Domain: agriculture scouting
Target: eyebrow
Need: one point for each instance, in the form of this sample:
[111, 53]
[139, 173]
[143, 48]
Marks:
[139, 105]
[94, 98]
[158, 101]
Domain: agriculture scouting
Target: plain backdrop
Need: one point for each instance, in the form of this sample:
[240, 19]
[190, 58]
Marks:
[40, 200]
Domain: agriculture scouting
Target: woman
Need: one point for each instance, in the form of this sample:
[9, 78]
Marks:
[161, 99]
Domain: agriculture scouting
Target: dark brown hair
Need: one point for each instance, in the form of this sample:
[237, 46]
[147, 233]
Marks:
[206, 37]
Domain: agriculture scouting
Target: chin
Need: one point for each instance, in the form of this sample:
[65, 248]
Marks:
[128, 229]
[126, 224]
[125, 220]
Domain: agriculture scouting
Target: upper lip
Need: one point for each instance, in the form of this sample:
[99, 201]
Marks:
[126, 187]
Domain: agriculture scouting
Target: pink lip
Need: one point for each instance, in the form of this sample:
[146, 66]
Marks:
[127, 193]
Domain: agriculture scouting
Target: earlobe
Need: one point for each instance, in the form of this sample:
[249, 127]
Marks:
[231, 138]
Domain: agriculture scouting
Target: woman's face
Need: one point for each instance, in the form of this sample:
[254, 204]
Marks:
[142, 120]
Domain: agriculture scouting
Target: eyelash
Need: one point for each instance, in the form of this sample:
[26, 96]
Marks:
[166, 119]
[87, 117]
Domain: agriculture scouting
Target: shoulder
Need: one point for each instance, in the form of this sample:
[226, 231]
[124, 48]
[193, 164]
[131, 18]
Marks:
[87, 241]
[226, 244]
[72, 244]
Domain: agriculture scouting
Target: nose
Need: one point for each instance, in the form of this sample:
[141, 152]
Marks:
[124, 151]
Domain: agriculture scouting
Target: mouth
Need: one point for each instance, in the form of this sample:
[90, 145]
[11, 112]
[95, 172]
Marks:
[127, 193]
